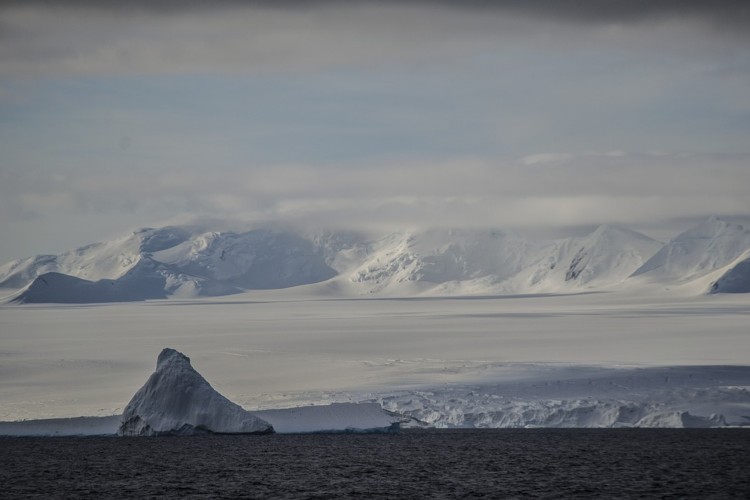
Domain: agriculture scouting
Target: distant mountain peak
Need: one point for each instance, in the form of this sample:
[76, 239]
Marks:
[187, 261]
[606, 256]
[698, 251]
[713, 227]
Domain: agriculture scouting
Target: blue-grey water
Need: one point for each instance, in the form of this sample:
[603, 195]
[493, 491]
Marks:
[541, 463]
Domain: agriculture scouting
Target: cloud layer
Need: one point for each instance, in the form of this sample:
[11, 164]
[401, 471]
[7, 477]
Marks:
[87, 37]
[553, 190]
[368, 114]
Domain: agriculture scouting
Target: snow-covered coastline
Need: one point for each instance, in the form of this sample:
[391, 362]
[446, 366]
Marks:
[177, 401]
[552, 396]
[632, 357]
[670, 397]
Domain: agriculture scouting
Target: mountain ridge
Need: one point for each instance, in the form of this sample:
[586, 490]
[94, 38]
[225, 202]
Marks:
[185, 261]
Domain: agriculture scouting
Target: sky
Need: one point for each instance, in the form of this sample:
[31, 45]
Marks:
[368, 115]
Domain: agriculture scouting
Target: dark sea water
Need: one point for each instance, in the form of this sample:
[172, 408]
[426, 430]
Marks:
[541, 463]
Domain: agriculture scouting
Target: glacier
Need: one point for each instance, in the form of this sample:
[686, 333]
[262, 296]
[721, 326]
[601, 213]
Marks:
[521, 396]
[585, 397]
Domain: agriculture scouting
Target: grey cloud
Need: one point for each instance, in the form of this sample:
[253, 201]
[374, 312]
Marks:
[96, 41]
[554, 75]
[580, 189]
[608, 11]
[92, 37]
[723, 15]
[582, 10]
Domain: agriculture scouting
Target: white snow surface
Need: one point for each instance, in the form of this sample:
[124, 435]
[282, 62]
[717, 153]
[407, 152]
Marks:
[595, 359]
[186, 262]
[585, 396]
[105, 260]
[176, 399]
[601, 259]
[170, 261]
[438, 256]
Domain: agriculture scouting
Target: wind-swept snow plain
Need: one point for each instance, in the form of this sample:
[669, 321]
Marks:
[594, 359]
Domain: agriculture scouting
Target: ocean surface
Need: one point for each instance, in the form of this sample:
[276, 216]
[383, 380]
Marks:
[541, 463]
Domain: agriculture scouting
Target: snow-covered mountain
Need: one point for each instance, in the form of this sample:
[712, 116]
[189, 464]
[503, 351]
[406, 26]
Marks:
[600, 259]
[187, 261]
[171, 261]
[420, 260]
[698, 251]
[701, 255]
[63, 288]
[259, 259]
[735, 279]
[105, 260]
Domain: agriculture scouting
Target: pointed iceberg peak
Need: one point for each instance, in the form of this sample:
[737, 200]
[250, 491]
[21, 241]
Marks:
[169, 355]
[177, 400]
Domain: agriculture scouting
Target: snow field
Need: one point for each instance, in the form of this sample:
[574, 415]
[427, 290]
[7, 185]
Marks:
[72, 360]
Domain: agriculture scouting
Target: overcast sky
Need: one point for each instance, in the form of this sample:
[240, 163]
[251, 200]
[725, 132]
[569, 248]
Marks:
[368, 114]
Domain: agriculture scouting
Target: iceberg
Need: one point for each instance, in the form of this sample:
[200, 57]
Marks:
[177, 400]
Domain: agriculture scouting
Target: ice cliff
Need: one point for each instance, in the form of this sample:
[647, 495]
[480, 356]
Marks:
[177, 400]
